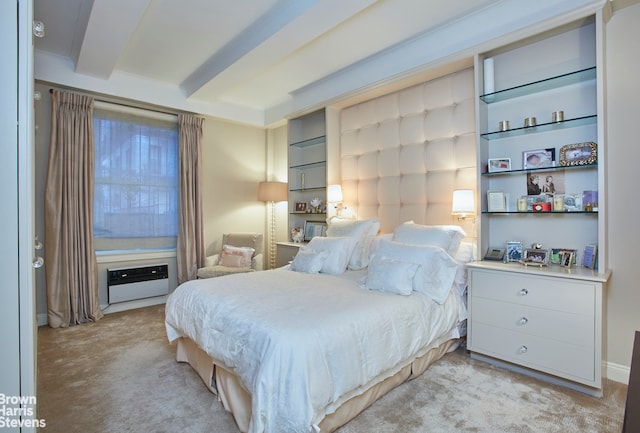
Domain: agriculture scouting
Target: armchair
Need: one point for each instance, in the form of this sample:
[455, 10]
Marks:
[218, 264]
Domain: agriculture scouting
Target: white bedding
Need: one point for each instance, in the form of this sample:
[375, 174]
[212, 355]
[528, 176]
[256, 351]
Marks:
[303, 344]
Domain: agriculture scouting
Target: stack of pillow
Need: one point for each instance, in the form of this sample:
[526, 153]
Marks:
[417, 258]
[346, 246]
[427, 259]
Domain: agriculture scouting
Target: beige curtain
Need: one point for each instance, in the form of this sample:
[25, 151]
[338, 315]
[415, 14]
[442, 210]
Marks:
[190, 248]
[71, 269]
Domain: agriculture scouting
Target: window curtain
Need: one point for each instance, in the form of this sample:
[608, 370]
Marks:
[190, 244]
[71, 268]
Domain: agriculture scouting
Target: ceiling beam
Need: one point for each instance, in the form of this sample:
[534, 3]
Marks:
[107, 34]
[281, 14]
[309, 25]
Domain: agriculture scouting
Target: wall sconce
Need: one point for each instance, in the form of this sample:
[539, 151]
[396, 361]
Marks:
[334, 195]
[272, 192]
[463, 204]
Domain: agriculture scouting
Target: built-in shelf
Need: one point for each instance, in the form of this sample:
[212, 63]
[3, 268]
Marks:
[579, 212]
[540, 86]
[543, 169]
[309, 165]
[310, 142]
[543, 127]
[315, 188]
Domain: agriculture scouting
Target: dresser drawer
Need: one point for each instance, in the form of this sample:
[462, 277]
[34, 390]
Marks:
[577, 329]
[552, 356]
[553, 293]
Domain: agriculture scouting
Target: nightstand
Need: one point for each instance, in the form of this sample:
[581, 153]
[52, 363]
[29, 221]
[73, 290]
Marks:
[286, 251]
[535, 320]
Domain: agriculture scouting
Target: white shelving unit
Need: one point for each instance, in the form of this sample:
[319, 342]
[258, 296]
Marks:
[307, 168]
[545, 321]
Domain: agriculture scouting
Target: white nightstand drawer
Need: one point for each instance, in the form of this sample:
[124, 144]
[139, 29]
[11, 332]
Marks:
[551, 356]
[553, 293]
[577, 329]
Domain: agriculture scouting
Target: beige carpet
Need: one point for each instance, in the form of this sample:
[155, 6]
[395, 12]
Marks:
[120, 375]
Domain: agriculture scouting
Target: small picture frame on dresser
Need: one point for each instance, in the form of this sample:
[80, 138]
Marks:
[514, 251]
[566, 258]
[590, 256]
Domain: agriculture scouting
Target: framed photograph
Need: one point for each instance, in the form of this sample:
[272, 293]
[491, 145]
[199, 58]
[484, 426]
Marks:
[579, 154]
[589, 258]
[536, 256]
[496, 201]
[301, 206]
[573, 202]
[313, 229]
[514, 251]
[566, 259]
[541, 158]
[555, 255]
[498, 164]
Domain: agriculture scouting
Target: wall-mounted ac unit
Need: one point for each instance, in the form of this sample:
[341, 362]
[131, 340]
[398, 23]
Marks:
[128, 284]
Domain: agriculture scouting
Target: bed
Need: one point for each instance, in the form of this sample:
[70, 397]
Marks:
[307, 347]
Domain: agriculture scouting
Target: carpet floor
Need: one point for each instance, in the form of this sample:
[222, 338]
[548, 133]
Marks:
[120, 375]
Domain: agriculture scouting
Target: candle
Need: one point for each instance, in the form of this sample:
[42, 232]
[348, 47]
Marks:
[489, 85]
[558, 204]
[522, 205]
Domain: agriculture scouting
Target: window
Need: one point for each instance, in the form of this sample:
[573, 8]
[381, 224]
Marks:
[136, 180]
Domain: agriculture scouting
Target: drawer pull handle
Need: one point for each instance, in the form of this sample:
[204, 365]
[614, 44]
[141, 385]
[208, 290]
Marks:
[523, 321]
[523, 349]
[524, 292]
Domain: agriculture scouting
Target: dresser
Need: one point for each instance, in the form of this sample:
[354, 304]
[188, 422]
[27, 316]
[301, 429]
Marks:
[545, 322]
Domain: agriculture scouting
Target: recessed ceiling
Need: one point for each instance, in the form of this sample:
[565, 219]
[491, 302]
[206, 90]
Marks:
[258, 61]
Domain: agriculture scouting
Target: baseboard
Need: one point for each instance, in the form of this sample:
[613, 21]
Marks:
[617, 372]
[42, 319]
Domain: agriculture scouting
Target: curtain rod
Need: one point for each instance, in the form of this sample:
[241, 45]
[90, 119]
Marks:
[174, 113]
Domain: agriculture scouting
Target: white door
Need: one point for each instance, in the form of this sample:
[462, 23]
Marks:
[17, 315]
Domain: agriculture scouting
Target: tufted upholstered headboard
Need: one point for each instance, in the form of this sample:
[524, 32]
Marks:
[403, 154]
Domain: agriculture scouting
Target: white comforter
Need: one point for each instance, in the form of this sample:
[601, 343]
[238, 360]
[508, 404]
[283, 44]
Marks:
[303, 344]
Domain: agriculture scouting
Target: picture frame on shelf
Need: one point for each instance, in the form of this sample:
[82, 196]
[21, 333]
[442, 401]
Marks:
[300, 206]
[590, 256]
[541, 158]
[579, 154]
[496, 201]
[573, 202]
[567, 259]
[496, 165]
[514, 251]
[536, 256]
[313, 229]
[555, 255]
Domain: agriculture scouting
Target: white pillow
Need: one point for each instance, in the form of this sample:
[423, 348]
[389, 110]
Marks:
[309, 262]
[465, 254]
[338, 252]
[437, 270]
[447, 237]
[392, 276]
[236, 257]
[363, 230]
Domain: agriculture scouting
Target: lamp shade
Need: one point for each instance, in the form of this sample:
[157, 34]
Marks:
[334, 193]
[272, 191]
[463, 203]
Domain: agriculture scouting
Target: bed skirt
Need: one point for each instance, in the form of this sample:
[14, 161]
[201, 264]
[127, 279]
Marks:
[237, 400]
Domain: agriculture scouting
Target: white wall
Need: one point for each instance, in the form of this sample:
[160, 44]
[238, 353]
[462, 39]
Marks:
[623, 145]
